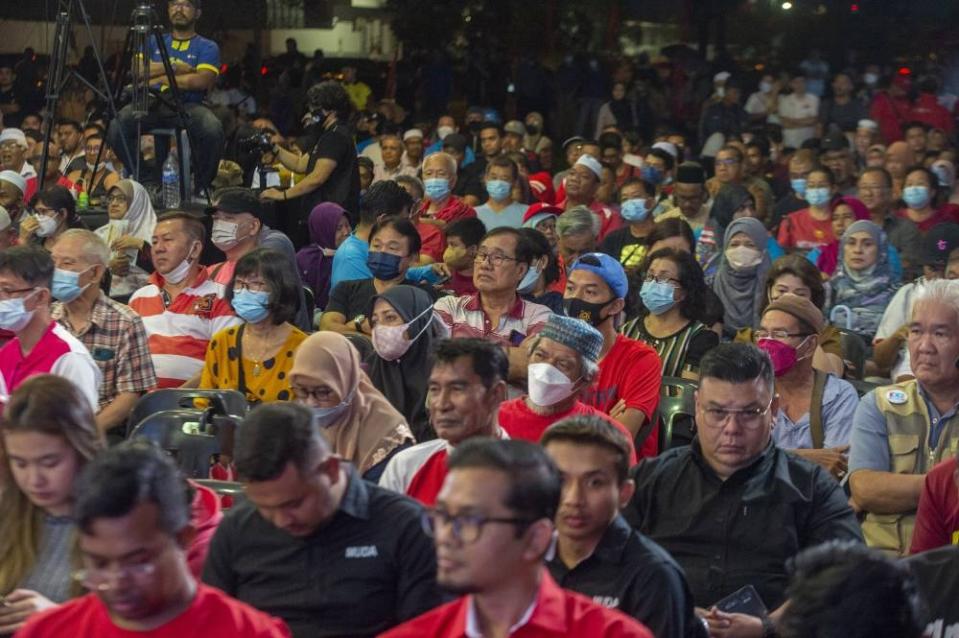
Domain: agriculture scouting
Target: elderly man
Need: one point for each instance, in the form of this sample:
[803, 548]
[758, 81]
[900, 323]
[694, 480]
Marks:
[13, 157]
[112, 332]
[732, 507]
[690, 197]
[874, 189]
[577, 232]
[440, 206]
[582, 185]
[12, 188]
[815, 408]
[900, 431]
[392, 166]
[562, 364]
[466, 388]
[8, 231]
[413, 149]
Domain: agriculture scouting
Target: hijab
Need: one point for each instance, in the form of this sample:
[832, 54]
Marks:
[725, 204]
[140, 217]
[829, 255]
[403, 382]
[370, 429]
[865, 293]
[742, 291]
[315, 261]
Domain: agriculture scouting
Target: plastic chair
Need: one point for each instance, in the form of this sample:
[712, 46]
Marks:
[188, 435]
[855, 351]
[676, 399]
[225, 402]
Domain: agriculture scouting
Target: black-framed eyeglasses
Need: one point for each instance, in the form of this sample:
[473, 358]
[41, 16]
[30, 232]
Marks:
[662, 279]
[778, 335]
[466, 527]
[496, 259]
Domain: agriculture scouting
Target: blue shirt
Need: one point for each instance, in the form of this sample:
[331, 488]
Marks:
[839, 401]
[349, 262]
[511, 216]
[437, 146]
[870, 436]
[199, 52]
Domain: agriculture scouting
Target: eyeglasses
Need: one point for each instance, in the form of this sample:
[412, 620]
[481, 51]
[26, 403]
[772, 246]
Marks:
[778, 335]
[749, 418]
[662, 279]
[496, 259]
[116, 199]
[466, 527]
[252, 286]
[103, 579]
[319, 394]
[728, 162]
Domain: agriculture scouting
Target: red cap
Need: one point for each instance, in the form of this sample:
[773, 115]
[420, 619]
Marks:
[538, 212]
[541, 185]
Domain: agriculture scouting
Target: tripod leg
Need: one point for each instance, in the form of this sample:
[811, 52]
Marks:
[54, 86]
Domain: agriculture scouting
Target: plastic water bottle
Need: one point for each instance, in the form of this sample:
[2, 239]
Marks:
[83, 200]
[171, 182]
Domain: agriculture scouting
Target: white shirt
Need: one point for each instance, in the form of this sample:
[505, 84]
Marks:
[798, 108]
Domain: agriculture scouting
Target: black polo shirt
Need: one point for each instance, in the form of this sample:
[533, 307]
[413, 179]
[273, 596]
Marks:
[727, 534]
[631, 573]
[370, 568]
[937, 575]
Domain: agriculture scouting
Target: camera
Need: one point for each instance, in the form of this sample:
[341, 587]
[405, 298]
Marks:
[259, 142]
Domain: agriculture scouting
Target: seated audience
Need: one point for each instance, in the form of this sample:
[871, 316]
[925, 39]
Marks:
[501, 209]
[815, 413]
[900, 431]
[404, 330]
[809, 228]
[935, 572]
[329, 226]
[462, 241]
[937, 517]
[361, 425]
[562, 363]
[673, 296]
[309, 513]
[691, 201]
[128, 234]
[874, 189]
[112, 332]
[845, 210]
[864, 282]
[440, 206]
[543, 217]
[597, 553]
[466, 387]
[182, 307]
[95, 177]
[493, 527]
[731, 199]
[133, 514]
[53, 212]
[13, 157]
[12, 187]
[582, 189]
[40, 344]
[732, 507]
[577, 232]
[627, 386]
[255, 357]
[539, 284]
[920, 195]
[628, 245]
[742, 271]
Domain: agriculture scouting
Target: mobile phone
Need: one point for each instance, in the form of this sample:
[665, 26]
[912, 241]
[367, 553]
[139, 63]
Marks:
[744, 600]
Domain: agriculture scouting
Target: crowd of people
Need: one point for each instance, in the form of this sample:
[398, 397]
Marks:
[674, 381]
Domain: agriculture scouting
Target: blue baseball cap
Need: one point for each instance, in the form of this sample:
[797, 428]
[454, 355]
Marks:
[606, 267]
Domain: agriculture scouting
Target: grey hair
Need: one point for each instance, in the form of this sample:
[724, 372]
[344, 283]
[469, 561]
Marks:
[578, 219]
[444, 157]
[95, 250]
[589, 367]
[944, 291]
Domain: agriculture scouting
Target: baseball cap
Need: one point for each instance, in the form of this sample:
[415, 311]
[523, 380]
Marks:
[515, 127]
[456, 141]
[538, 212]
[669, 147]
[576, 139]
[606, 267]
[690, 173]
[236, 199]
[938, 242]
[834, 142]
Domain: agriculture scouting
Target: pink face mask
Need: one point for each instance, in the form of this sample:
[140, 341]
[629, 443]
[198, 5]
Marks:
[783, 355]
[390, 342]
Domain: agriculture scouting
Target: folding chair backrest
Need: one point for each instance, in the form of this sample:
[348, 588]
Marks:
[676, 400]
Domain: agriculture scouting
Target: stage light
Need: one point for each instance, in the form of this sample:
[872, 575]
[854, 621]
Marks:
[264, 70]
[787, 5]
[904, 70]
[854, 8]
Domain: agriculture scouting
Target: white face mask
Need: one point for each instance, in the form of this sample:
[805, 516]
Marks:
[224, 234]
[547, 385]
[443, 131]
[179, 273]
[47, 225]
[742, 257]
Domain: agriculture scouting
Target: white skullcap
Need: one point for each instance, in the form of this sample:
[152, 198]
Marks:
[592, 164]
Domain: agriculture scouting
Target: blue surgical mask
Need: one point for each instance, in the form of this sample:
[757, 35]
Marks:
[66, 284]
[915, 196]
[817, 196]
[384, 266]
[436, 188]
[14, 315]
[251, 306]
[529, 280]
[498, 189]
[798, 184]
[651, 174]
[325, 417]
[657, 297]
[634, 210]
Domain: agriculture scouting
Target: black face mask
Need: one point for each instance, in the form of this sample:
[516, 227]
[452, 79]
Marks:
[591, 313]
[475, 126]
[532, 129]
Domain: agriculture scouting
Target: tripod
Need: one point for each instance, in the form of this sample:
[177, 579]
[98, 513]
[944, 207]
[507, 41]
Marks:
[59, 75]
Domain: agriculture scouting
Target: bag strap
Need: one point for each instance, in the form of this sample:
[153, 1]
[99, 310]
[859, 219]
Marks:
[241, 375]
[815, 409]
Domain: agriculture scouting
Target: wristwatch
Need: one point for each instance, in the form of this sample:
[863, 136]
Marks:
[769, 627]
[358, 322]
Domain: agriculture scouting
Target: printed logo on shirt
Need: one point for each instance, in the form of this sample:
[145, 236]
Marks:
[611, 602]
[939, 629]
[955, 538]
[204, 305]
[363, 551]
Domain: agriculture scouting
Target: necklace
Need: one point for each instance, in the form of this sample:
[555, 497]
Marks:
[262, 353]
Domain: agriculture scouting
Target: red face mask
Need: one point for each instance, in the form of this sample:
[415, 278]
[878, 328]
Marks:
[783, 355]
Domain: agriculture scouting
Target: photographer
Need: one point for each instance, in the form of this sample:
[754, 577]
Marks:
[331, 167]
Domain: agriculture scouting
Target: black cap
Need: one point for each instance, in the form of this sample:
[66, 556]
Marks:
[834, 142]
[937, 244]
[195, 3]
[236, 199]
[456, 141]
[690, 173]
[576, 139]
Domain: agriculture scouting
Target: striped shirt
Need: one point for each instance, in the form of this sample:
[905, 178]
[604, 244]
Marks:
[681, 351]
[179, 329]
[465, 317]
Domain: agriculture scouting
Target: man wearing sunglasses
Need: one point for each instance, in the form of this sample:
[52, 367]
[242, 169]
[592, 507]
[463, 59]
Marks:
[731, 508]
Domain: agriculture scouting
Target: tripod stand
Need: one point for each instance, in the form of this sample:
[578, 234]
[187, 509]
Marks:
[59, 75]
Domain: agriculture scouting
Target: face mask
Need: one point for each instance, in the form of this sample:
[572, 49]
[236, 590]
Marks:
[325, 417]
[591, 313]
[498, 189]
[721, 91]
[14, 315]
[941, 174]
[46, 225]
[443, 131]
[634, 210]
[390, 342]
[870, 78]
[224, 235]
[657, 297]
[437, 188]
[743, 257]
[651, 174]
[66, 284]
[251, 306]
[817, 196]
[474, 126]
[384, 266]
[529, 280]
[547, 385]
[179, 273]
[915, 196]
[765, 87]
[783, 355]
[532, 129]
[453, 255]
[798, 185]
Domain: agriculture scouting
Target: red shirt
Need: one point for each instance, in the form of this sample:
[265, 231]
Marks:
[432, 241]
[212, 614]
[937, 519]
[520, 422]
[556, 612]
[890, 113]
[460, 284]
[926, 109]
[207, 514]
[631, 371]
[800, 230]
[945, 214]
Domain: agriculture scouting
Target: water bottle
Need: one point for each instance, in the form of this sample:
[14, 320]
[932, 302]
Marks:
[171, 182]
[83, 200]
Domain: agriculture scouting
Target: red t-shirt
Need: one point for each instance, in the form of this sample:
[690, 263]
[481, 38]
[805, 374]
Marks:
[207, 515]
[800, 230]
[432, 240]
[937, 519]
[631, 371]
[520, 422]
[212, 614]
[945, 214]
[460, 284]
[428, 481]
